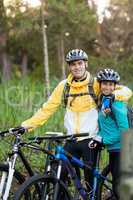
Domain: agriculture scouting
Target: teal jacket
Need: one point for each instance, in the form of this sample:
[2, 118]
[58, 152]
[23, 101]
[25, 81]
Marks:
[111, 128]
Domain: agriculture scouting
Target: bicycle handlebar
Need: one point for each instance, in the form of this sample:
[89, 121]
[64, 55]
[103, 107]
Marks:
[10, 131]
[56, 137]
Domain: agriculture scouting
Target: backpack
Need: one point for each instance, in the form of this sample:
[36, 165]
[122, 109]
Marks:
[90, 92]
[130, 116]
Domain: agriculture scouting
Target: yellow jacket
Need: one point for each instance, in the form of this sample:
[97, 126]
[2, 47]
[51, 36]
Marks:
[82, 109]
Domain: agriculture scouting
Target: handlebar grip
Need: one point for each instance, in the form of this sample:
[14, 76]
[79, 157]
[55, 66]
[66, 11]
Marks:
[3, 133]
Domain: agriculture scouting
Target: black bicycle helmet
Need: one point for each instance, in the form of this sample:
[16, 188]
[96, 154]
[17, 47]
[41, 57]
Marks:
[108, 75]
[76, 54]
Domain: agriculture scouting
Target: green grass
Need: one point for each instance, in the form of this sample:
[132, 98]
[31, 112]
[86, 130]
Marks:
[19, 99]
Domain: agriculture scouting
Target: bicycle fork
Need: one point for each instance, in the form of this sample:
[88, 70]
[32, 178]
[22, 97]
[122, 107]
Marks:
[2, 183]
[56, 186]
[96, 175]
[7, 178]
[56, 193]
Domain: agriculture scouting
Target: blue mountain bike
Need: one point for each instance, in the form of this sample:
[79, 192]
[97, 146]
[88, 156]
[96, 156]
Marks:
[51, 187]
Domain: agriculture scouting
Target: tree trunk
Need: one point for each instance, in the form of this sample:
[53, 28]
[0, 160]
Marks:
[45, 51]
[76, 43]
[58, 52]
[24, 64]
[126, 186]
[62, 57]
[6, 65]
[5, 61]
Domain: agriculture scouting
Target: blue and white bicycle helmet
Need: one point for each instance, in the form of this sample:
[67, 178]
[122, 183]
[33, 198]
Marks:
[108, 75]
[76, 54]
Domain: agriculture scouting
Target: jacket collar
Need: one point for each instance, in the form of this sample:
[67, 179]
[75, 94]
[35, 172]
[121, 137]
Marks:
[74, 83]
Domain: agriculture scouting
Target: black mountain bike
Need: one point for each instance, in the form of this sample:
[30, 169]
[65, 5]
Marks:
[10, 178]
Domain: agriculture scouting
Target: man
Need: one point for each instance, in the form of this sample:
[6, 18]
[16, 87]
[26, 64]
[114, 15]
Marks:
[81, 113]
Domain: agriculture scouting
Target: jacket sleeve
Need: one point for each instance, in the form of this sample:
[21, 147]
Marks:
[122, 93]
[48, 108]
[120, 113]
[109, 141]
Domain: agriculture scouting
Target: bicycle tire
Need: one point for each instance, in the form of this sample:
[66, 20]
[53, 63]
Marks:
[40, 187]
[18, 179]
[104, 188]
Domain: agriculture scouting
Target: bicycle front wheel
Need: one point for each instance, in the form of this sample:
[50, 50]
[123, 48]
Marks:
[18, 179]
[43, 187]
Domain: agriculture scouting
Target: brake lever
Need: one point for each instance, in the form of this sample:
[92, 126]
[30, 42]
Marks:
[72, 139]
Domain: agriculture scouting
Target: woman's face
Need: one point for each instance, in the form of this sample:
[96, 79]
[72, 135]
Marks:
[107, 87]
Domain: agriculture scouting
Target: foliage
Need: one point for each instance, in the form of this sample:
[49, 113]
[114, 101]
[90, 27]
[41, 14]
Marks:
[75, 23]
[116, 34]
[25, 34]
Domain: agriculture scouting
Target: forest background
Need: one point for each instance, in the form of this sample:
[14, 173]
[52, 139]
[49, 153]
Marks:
[34, 39]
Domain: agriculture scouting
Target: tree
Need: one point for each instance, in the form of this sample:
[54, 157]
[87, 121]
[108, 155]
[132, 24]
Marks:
[4, 57]
[24, 34]
[45, 50]
[115, 38]
[69, 25]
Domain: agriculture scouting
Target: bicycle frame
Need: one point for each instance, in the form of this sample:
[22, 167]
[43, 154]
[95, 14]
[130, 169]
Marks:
[66, 158]
[7, 178]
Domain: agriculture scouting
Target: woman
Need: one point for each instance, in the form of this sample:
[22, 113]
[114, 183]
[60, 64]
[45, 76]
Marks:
[113, 122]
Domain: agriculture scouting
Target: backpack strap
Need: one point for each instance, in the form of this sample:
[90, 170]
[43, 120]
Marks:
[65, 93]
[130, 116]
[90, 92]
